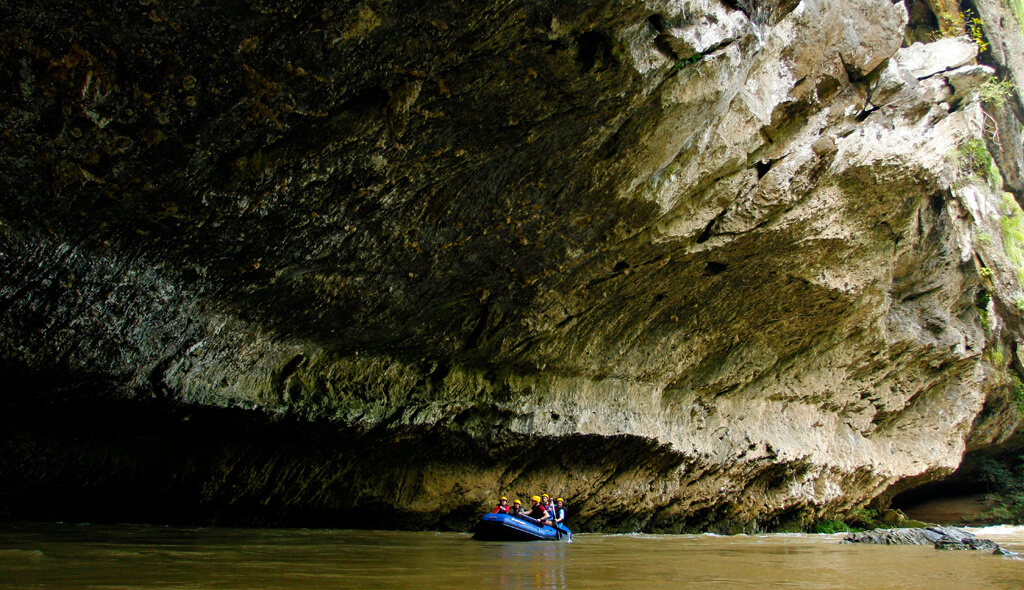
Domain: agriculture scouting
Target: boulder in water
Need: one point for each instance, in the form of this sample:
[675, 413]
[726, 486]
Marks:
[939, 537]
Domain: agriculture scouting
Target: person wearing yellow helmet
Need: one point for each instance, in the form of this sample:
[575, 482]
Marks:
[502, 507]
[548, 505]
[517, 508]
[558, 512]
[537, 512]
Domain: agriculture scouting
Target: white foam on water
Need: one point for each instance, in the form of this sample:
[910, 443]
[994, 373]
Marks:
[999, 529]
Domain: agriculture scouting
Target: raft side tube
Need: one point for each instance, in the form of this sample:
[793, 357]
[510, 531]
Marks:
[504, 527]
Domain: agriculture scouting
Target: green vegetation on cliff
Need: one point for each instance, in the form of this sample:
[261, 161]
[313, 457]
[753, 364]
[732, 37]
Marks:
[863, 519]
[1017, 6]
[1005, 479]
[1012, 222]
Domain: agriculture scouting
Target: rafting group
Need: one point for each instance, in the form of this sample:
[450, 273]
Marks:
[545, 520]
[544, 510]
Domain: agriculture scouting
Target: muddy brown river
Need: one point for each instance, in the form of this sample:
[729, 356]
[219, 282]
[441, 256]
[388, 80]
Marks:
[34, 555]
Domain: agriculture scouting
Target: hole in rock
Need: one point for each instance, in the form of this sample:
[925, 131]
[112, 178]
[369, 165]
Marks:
[595, 51]
[763, 11]
[863, 115]
[714, 268]
[710, 227]
[827, 88]
[293, 365]
[369, 99]
[922, 24]
[658, 23]
[960, 502]
[620, 266]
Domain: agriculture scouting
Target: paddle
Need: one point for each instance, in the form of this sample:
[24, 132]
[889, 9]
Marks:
[528, 519]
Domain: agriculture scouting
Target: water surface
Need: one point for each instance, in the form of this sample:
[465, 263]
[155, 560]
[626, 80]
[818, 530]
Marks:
[36, 555]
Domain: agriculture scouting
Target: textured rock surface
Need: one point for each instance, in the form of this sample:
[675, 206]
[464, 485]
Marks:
[949, 538]
[687, 264]
[1006, 54]
[923, 60]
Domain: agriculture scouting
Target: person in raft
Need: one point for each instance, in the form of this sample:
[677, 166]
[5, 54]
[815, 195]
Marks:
[502, 507]
[517, 509]
[558, 516]
[537, 512]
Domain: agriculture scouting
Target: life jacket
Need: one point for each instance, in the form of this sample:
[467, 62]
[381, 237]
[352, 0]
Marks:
[559, 513]
[499, 509]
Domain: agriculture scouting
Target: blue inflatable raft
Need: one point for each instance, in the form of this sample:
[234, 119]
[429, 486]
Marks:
[502, 527]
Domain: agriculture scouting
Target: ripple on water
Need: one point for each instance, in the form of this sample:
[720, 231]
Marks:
[228, 559]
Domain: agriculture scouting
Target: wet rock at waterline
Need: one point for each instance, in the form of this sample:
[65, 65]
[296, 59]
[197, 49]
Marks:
[949, 538]
[690, 265]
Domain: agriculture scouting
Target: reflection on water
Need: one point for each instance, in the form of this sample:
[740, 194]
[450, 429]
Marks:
[135, 557]
[527, 565]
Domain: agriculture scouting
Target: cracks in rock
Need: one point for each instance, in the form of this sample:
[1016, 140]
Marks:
[157, 379]
[866, 112]
[291, 367]
[715, 268]
[478, 329]
[663, 44]
[763, 12]
[595, 52]
[710, 227]
[764, 166]
[565, 322]
[621, 268]
[660, 25]
[289, 391]
[869, 83]
[896, 238]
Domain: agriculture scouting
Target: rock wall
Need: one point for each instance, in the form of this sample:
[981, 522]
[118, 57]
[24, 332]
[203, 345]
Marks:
[688, 264]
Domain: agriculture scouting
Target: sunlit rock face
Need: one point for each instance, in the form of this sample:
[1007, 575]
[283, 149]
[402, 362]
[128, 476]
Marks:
[690, 265]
